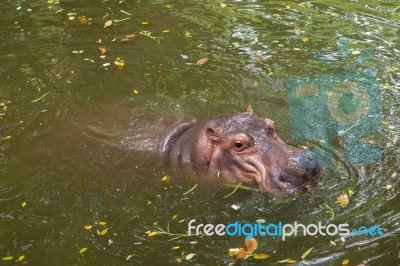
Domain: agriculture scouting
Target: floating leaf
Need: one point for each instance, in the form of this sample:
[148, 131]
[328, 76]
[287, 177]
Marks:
[202, 61]
[152, 233]
[235, 207]
[7, 137]
[189, 256]
[333, 243]
[305, 254]
[21, 258]
[174, 216]
[88, 227]
[176, 247]
[104, 232]
[126, 13]
[135, 92]
[23, 204]
[351, 192]
[108, 23]
[102, 49]
[188, 35]
[345, 262]
[304, 39]
[165, 178]
[251, 245]
[343, 200]
[83, 20]
[145, 23]
[167, 30]
[82, 250]
[302, 5]
[260, 256]
[393, 175]
[8, 258]
[102, 223]
[388, 186]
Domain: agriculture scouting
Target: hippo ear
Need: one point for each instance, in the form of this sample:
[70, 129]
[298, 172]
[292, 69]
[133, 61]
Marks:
[213, 134]
[249, 110]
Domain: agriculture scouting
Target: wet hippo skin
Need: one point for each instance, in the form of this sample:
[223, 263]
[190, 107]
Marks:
[241, 147]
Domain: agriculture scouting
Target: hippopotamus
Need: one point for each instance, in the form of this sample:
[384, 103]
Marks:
[241, 147]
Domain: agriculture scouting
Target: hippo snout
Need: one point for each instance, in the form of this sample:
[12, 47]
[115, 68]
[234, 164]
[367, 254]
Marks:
[308, 159]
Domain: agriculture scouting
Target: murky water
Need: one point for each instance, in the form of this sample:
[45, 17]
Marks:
[75, 129]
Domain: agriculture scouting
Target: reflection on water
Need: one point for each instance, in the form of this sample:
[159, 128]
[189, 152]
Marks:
[75, 135]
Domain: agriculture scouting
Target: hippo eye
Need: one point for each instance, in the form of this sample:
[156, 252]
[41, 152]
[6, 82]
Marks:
[238, 145]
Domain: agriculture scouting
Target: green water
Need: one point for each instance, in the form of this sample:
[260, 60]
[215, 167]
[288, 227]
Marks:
[74, 135]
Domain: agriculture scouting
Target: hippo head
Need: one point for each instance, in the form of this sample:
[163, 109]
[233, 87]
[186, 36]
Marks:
[246, 148]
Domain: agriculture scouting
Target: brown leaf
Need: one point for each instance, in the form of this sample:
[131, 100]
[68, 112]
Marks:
[241, 254]
[102, 49]
[202, 61]
[251, 245]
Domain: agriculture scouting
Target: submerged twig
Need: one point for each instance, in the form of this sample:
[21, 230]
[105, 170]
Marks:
[190, 190]
[41, 97]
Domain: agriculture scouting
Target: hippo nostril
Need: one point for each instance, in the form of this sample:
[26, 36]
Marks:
[292, 164]
[308, 159]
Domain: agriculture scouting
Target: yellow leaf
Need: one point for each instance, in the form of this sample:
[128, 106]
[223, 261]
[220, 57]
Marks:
[165, 178]
[260, 256]
[145, 23]
[152, 233]
[343, 200]
[290, 261]
[23, 204]
[304, 39]
[305, 254]
[345, 262]
[135, 92]
[188, 35]
[387, 84]
[104, 232]
[102, 223]
[82, 250]
[302, 5]
[179, 260]
[288, 7]
[351, 192]
[176, 247]
[166, 30]
[21, 258]
[7, 137]
[174, 216]
[88, 227]
[83, 20]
